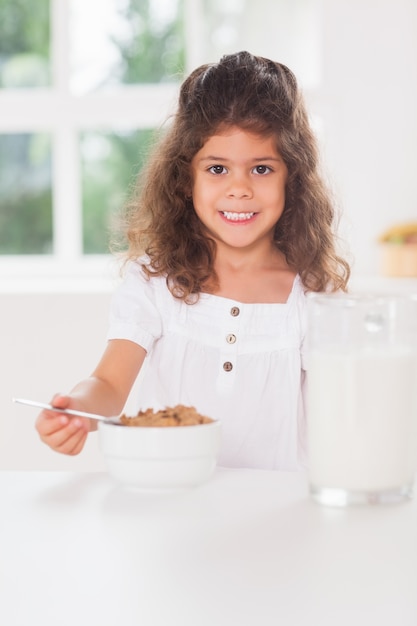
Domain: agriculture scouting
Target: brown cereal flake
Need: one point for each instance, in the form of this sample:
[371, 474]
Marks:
[178, 415]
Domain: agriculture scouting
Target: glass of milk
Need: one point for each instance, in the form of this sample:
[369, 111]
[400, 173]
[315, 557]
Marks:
[361, 398]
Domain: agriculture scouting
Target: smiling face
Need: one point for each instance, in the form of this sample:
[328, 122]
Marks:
[238, 188]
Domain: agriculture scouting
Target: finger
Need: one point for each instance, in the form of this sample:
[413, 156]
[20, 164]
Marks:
[53, 431]
[57, 430]
[49, 422]
[74, 444]
[65, 438]
[60, 401]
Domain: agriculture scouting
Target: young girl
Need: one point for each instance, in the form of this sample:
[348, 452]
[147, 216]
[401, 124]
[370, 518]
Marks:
[231, 227]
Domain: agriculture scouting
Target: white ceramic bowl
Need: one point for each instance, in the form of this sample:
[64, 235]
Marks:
[160, 458]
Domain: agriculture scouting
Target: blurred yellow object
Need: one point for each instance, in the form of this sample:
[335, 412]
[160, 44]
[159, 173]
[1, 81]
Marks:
[399, 250]
[401, 233]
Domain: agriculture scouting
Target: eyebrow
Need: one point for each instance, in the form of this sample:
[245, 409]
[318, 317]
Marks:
[257, 159]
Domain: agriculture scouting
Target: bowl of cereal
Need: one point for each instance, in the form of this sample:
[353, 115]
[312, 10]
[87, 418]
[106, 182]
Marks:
[167, 450]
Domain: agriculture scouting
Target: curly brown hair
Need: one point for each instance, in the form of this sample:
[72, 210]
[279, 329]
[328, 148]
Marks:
[260, 96]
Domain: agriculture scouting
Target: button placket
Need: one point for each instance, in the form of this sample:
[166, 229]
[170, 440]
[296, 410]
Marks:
[229, 352]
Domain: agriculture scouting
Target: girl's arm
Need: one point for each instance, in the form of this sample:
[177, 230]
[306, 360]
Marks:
[104, 392]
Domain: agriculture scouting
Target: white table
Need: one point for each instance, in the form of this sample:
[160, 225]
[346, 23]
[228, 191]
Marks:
[248, 548]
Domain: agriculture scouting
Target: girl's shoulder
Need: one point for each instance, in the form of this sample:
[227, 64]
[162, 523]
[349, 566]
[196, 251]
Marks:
[135, 270]
[135, 265]
[298, 292]
[297, 300]
[137, 282]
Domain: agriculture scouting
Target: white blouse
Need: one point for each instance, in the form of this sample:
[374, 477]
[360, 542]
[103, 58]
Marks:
[239, 363]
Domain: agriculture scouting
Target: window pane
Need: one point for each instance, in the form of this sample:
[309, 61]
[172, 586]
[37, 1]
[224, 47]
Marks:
[134, 41]
[110, 164]
[25, 194]
[24, 43]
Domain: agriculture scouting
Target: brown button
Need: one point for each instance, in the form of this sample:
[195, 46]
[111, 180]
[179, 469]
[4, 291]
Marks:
[234, 311]
[227, 366]
[230, 338]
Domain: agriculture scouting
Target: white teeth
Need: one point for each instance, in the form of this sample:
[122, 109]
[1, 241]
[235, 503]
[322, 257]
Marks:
[237, 217]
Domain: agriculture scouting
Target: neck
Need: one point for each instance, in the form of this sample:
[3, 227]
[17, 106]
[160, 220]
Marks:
[262, 278]
[244, 260]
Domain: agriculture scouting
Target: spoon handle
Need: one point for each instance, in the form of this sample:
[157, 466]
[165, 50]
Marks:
[71, 412]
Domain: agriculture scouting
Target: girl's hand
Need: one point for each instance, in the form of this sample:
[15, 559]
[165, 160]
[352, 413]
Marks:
[60, 432]
[104, 392]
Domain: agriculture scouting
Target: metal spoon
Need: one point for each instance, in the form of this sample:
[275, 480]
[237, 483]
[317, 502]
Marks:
[71, 412]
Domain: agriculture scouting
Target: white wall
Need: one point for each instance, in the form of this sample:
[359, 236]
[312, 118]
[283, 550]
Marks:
[369, 104]
[48, 342]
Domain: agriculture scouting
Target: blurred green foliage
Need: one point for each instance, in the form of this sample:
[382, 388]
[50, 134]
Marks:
[25, 194]
[24, 43]
[110, 163]
[154, 50]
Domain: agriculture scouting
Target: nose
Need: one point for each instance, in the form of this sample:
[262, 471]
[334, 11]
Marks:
[239, 186]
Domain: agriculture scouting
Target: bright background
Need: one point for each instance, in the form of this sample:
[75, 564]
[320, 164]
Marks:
[83, 84]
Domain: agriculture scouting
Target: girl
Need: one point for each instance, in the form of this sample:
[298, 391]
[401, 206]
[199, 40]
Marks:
[231, 227]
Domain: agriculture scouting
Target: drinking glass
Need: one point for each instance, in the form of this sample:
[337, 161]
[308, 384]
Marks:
[361, 398]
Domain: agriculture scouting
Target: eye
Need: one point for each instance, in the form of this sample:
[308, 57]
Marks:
[261, 169]
[217, 169]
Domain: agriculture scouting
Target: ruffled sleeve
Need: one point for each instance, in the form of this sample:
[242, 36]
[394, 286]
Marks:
[134, 312]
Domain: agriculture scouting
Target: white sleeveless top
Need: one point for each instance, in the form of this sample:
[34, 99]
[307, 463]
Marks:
[239, 363]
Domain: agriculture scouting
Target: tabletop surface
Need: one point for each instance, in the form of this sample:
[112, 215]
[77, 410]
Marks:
[248, 548]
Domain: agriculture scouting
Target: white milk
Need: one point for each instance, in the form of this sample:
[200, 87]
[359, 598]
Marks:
[361, 419]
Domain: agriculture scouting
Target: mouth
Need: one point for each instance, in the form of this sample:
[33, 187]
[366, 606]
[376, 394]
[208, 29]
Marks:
[233, 216]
